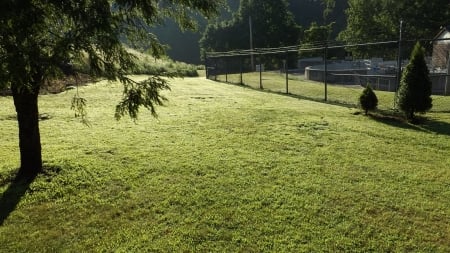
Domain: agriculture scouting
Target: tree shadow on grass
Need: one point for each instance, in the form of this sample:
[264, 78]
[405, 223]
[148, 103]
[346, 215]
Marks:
[19, 183]
[17, 188]
[420, 123]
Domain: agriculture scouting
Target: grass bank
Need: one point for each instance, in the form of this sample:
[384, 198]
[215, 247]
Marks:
[226, 169]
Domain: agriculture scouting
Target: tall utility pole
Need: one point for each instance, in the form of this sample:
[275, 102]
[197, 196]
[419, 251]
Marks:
[447, 78]
[399, 59]
[251, 41]
[399, 62]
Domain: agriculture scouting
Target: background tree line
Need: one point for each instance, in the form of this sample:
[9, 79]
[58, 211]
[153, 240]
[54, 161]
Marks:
[230, 30]
[379, 20]
[287, 22]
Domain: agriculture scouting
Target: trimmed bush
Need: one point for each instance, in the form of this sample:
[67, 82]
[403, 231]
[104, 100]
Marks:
[368, 100]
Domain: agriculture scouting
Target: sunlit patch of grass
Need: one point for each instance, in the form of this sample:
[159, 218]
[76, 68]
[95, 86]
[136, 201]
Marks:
[342, 94]
[227, 168]
[149, 65]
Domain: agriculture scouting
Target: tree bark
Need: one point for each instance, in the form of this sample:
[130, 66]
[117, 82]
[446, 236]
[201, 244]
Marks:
[26, 103]
[411, 115]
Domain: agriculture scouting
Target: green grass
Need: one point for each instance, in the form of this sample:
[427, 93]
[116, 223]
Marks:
[148, 65]
[227, 169]
[340, 94]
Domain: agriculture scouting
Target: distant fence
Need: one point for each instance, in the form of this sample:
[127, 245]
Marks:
[327, 72]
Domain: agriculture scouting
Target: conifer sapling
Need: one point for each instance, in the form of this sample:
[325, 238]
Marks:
[368, 100]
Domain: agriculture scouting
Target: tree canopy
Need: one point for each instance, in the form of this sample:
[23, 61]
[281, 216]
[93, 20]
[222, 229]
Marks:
[379, 20]
[42, 40]
[273, 25]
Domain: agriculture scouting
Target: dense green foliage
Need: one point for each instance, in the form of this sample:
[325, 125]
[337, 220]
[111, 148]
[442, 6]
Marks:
[414, 94]
[184, 45]
[317, 33]
[149, 65]
[226, 169]
[379, 20]
[272, 23]
[368, 99]
[355, 20]
[41, 40]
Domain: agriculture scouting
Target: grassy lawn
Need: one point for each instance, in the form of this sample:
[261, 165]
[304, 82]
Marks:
[226, 169]
[339, 94]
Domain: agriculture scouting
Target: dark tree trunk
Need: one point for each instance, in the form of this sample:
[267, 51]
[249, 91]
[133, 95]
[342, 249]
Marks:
[26, 103]
[410, 115]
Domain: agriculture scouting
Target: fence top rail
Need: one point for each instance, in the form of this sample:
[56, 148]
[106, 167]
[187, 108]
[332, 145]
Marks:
[308, 47]
[362, 75]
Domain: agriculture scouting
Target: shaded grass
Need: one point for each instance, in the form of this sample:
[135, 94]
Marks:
[227, 168]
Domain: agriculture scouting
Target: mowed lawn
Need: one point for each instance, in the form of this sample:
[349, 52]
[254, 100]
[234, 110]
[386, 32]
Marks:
[226, 169]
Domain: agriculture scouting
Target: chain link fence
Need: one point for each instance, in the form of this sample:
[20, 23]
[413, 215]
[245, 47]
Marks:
[333, 72]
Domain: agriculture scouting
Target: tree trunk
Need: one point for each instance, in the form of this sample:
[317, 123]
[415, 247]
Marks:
[26, 103]
[411, 115]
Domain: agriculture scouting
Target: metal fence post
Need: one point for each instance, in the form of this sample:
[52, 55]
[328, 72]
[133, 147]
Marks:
[447, 77]
[286, 69]
[241, 61]
[226, 70]
[260, 71]
[326, 71]
[215, 69]
[206, 68]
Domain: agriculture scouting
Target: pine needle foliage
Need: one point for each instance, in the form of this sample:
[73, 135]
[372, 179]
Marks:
[414, 94]
[368, 99]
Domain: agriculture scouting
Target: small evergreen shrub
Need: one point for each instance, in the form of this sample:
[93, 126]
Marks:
[368, 100]
[414, 94]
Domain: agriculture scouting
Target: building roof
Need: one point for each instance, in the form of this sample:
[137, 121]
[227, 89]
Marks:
[444, 29]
